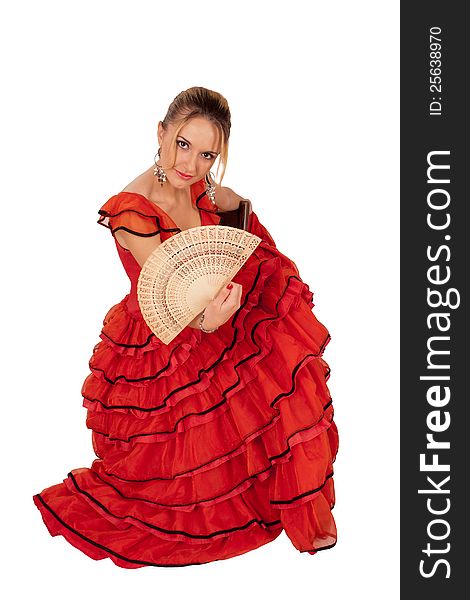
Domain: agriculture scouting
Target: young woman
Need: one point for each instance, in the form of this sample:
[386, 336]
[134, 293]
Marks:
[212, 445]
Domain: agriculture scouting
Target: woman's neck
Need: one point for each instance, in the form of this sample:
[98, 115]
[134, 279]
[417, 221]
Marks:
[167, 196]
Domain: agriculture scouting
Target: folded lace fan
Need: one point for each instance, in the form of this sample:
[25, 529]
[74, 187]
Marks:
[186, 271]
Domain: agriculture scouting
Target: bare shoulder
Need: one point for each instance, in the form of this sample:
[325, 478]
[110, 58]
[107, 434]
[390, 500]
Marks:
[227, 199]
[139, 185]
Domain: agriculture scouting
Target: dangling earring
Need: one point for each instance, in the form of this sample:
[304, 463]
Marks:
[158, 171]
[210, 187]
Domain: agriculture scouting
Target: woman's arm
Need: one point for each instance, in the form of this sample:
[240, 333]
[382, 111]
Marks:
[226, 198]
[195, 322]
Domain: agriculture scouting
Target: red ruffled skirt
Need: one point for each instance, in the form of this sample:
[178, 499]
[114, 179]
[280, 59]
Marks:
[211, 446]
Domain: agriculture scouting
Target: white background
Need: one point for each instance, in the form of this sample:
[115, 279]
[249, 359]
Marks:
[313, 90]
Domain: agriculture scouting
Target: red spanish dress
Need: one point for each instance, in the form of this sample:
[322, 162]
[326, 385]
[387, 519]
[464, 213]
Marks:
[212, 445]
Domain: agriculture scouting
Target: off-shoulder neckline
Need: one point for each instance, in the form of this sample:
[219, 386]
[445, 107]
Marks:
[157, 207]
[198, 193]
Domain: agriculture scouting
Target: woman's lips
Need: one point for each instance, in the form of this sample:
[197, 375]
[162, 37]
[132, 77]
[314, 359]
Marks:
[183, 175]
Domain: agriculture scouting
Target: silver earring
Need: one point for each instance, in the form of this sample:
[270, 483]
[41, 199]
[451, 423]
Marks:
[158, 171]
[210, 187]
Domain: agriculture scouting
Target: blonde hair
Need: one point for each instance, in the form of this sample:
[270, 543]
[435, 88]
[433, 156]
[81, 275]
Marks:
[201, 102]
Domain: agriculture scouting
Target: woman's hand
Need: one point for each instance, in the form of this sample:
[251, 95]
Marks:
[222, 307]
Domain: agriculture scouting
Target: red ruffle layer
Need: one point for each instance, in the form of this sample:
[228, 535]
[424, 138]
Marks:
[211, 446]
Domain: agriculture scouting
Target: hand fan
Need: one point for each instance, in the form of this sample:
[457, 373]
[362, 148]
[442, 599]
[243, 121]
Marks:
[186, 271]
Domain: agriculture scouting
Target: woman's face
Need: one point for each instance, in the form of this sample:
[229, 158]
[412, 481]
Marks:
[197, 147]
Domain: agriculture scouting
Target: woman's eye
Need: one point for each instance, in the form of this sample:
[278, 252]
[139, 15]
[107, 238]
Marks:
[183, 144]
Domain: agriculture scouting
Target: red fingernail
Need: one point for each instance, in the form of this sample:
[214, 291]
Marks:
[230, 286]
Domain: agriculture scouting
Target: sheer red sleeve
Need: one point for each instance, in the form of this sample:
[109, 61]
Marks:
[128, 214]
